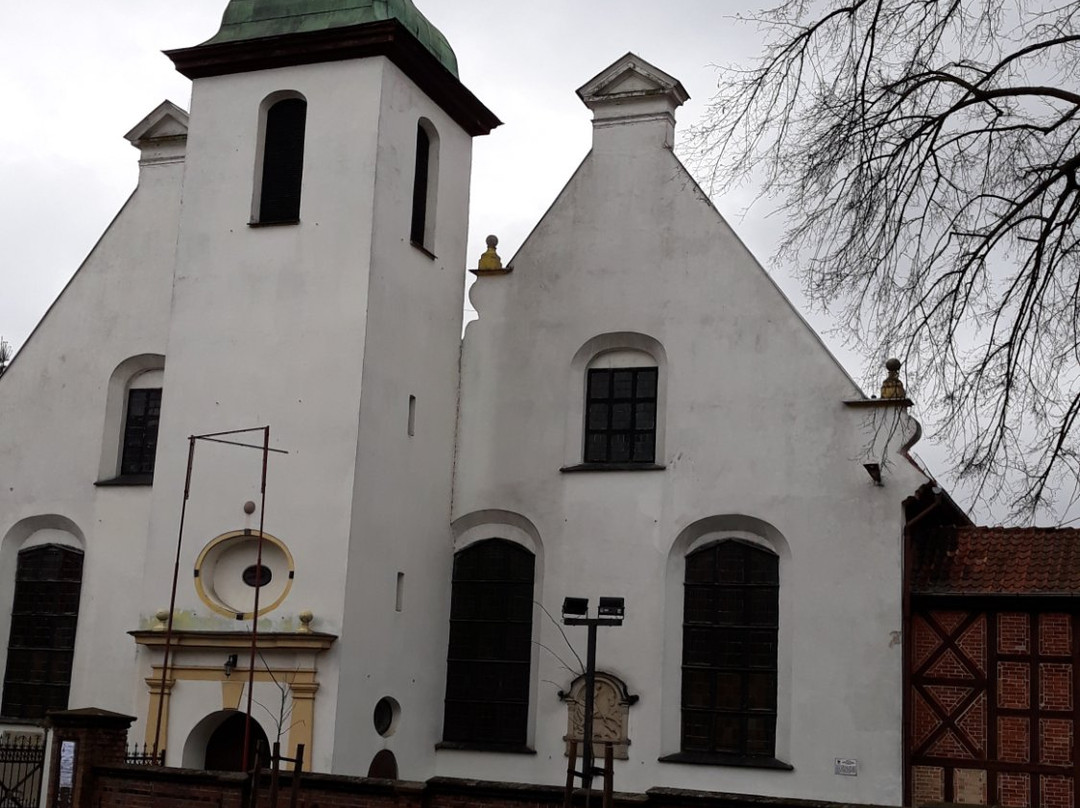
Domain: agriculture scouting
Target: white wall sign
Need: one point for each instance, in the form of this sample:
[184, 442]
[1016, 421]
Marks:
[67, 764]
[847, 767]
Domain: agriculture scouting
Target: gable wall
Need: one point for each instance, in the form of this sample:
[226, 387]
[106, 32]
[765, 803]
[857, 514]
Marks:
[755, 427]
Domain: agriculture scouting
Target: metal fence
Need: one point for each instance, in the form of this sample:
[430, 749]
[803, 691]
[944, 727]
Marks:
[22, 760]
[143, 756]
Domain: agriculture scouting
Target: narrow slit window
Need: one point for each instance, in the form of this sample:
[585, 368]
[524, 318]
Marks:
[420, 186]
[399, 597]
[283, 162]
[412, 416]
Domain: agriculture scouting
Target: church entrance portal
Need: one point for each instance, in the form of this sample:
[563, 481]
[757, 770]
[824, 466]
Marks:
[225, 747]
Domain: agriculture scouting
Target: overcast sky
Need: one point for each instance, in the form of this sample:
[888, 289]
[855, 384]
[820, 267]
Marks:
[75, 76]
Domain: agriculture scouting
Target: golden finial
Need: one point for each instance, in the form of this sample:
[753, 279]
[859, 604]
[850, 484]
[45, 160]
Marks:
[892, 387]
[491, 259]
[306, 617]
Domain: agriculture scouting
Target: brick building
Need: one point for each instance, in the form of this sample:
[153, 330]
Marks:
[992, 644]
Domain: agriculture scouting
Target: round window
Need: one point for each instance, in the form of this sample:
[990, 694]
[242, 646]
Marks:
[253, 578]
[387, 712]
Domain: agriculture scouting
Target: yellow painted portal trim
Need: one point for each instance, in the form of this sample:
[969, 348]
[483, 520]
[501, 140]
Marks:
[238, 640]
[226, 537]
[302, 688]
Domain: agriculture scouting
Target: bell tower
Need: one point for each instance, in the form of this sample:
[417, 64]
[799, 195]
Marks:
[318, 288]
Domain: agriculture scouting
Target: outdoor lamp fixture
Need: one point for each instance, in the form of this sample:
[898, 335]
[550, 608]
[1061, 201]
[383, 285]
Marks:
[874, 470]
[574, 607]
[575, 612]
[230, 665]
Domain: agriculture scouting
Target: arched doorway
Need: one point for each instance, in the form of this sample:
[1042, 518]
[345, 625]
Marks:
[225, 746]
[383, 766]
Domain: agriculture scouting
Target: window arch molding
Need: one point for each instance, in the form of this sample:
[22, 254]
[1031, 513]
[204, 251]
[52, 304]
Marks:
[41, 530]
[587, 356]
[120, 382]
[700, 535]
[286, 164]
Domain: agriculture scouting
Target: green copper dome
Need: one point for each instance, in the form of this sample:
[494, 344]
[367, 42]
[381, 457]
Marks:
[255, 19]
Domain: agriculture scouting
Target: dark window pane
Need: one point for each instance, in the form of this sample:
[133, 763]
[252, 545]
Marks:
[598, 416]
[619, 448]
[622, 384]
[420, 186]
[645, 416]
[621, 416]
[599, 384]
[488, 659]
[141, 431]
[719, 608]
[646, 383]
[596, 447]
[283, 161]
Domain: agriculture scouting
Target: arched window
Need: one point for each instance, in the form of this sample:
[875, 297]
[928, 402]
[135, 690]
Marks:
[44, 614]
[282, 161]
[425, 186]
[141, 417]
[132, 415]
[487, 668]
[730, 623]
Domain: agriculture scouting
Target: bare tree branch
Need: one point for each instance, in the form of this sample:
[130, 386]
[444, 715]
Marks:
[926, 155]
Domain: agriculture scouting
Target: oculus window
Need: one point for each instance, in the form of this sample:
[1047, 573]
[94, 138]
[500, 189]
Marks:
[490, 651]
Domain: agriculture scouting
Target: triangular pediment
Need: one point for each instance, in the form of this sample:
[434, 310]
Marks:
[166, 122]
[628, 77]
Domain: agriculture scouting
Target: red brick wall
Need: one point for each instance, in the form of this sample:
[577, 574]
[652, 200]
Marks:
[991, 709]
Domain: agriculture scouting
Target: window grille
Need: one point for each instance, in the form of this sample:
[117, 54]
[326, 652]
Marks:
[141, 431]
[487, 671]
[620, 419]
[730, 622]
[44, 614]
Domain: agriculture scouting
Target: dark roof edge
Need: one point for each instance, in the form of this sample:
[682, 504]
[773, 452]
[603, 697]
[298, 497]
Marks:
[387, 38]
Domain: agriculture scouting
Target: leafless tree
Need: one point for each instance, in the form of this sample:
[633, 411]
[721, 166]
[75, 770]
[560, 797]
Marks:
[5, 355]
[925, 154]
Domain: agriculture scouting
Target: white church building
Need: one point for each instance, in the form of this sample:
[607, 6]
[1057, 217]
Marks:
[638, 412]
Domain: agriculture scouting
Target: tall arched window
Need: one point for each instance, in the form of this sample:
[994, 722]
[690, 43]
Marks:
[730, 622]
[425, 186]
[487, 668]
[282, 161]
[44, 614]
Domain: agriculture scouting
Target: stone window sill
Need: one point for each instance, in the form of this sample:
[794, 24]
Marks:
[127, 480]
[423, 249]
[720, 759]
[611, 467]
[508, 749]
[285, 223]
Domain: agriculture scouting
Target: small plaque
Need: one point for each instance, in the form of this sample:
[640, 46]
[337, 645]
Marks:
[846, 767]
[67, 764]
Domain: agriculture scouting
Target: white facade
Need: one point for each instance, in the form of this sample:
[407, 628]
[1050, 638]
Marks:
[406, 444]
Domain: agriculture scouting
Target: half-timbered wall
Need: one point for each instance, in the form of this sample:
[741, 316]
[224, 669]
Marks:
[991, 707]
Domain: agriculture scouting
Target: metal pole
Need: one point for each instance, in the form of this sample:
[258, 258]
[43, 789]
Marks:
[172, 597]
[258, 589]
[590, 684]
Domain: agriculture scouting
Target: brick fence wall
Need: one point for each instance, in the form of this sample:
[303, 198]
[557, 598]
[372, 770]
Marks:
[151, 787]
